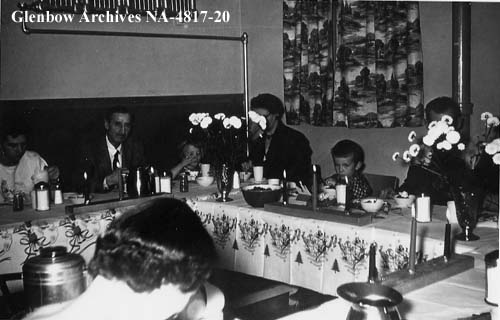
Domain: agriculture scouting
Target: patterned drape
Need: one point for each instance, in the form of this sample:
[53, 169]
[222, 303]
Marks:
[376, 80]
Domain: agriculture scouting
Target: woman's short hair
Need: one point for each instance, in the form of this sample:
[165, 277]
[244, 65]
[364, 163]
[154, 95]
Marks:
[270, 102]
[165, 243]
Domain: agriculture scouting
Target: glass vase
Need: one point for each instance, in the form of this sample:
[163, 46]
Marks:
[468, 203]
[224, 176]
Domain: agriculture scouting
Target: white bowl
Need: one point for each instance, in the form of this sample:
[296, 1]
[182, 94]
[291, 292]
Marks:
[205, 181]
[372, 204]
[75, 198]
[404, 202]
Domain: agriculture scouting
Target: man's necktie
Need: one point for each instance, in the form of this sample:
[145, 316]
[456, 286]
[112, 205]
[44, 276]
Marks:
[116, 161]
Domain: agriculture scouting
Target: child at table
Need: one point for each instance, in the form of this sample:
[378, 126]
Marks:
[190, 157]
[348, 160]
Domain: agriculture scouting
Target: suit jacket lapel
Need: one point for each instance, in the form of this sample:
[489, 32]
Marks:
[105, 160]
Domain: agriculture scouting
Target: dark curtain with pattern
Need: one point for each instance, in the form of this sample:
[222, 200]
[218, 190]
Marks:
[376, 80]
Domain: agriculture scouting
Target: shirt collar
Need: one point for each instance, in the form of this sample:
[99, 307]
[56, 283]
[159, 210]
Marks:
[111, 148]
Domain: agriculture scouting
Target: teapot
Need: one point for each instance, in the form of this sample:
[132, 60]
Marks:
[371, 301]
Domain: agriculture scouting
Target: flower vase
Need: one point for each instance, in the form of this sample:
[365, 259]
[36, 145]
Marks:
[468, 203]
[224, 175]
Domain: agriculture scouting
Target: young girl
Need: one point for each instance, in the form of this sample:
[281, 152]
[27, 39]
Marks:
[190, 154]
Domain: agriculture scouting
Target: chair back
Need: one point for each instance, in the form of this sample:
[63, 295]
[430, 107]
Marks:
[380, 182]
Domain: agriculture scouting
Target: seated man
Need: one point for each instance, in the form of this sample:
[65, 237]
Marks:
[421, 179]
[20, 169]
[348, 160]
[147, 265]
[281, 147]
[102, 158]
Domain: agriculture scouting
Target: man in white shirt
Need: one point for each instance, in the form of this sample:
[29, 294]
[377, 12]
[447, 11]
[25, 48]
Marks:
[102, 158]
[20, 169]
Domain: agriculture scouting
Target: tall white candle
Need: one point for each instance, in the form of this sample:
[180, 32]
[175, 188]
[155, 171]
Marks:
[423, 209]
[341, 190]
[413, 245]
[314, 190]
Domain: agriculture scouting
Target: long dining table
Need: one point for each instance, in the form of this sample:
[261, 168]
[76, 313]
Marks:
[301, 251]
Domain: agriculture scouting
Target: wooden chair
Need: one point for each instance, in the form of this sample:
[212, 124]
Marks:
[380, 182]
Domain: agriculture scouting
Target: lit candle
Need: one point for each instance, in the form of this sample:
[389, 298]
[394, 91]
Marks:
[413, 240]
[86, 191]
[314, 189]
[285, 193]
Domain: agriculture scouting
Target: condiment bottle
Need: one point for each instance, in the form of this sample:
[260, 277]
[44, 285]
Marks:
[58, 198]
[165, 183]
[184, 183]
[42, 196]
[18, 201]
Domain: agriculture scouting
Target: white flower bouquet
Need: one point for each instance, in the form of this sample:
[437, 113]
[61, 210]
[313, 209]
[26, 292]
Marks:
[223, 138]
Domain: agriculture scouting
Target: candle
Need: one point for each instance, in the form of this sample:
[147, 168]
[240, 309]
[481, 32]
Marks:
[314, 189]
[120, 185]
[341, 190]
[413, 240]
[447, 248]
[285, 193]
[372, 269]
[86, 191]
[423, 209]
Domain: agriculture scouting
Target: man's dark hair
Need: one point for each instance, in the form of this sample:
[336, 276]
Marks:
[14, 128]
[164, 243]
[269, 102]
[443, 105]
[117, 109]
[346, 148]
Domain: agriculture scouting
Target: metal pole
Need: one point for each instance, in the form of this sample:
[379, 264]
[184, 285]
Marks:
[244, 40]
[28, 30]
[461, 58]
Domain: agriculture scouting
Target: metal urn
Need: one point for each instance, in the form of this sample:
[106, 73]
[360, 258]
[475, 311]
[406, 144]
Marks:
[53, 276]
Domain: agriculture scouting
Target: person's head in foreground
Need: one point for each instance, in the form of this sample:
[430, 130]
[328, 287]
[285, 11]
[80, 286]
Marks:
[146, 265]
[439, 107]
[348, 158]
[162, 253]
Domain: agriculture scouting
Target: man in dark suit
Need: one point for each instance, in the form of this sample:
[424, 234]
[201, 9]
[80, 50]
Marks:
[104, 157]
[280, 147]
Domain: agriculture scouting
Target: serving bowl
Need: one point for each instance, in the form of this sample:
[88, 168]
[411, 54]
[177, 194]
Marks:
[73, 197]
[259, 194]
[205, 181]
[372, 204]
[404, 202]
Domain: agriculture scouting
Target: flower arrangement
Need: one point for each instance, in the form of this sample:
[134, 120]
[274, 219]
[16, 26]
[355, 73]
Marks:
[223, 138]
[488, 143]
[440, 138]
